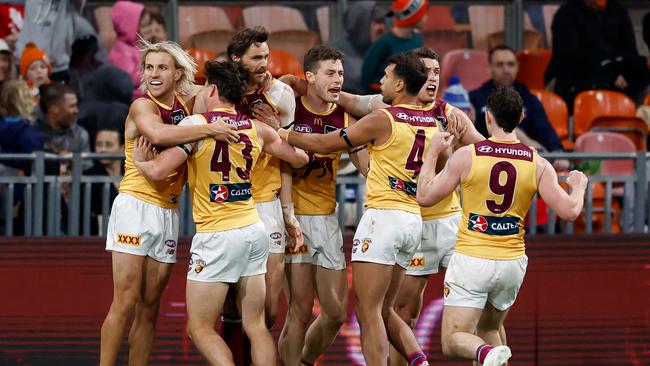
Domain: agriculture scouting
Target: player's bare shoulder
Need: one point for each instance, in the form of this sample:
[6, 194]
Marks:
[138, 107]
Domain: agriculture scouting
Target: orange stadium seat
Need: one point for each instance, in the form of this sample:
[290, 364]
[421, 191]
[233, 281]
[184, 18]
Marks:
[283, 63]
[296, 42]
[441, 33]
[532, 39]
[201, 56]
[592, 104]
[634, 128]
[470, 65]
[274, 18]
[532, 65]
[215, 40]
[198, 19]
[557, 113]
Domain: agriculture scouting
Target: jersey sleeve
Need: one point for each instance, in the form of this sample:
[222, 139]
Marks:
[286, 103]
[193, 120]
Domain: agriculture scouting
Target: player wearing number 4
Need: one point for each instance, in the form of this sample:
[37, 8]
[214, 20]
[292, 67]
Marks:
[231, 245]
[498, 179]
[391, 227]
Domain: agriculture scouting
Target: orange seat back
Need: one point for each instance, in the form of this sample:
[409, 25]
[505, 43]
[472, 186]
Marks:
[592, 104]
[283, 63]
[200, 56]
[633, 128]
[470, 65]
[556, 111]
[532, 65]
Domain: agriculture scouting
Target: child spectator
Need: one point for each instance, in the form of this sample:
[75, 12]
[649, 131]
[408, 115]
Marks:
[35, 68]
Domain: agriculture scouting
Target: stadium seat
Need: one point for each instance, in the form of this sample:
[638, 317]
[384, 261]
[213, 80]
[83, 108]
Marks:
[200, 57]
[323, 18]
[441, 33]
[296, 42]
[215, 40]
[489, 19]
[557, 113]
[532, 39]
[274, 18]
[199, 19]
[470, 65]
[283, 63]
[532, 65]
[633, 128]
[592, 104]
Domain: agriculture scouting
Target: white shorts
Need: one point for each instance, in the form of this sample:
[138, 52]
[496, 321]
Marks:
[471, 281]
[225, 256]
[437, 245]
[271, 215]
[387, 237]
[323, 242]
[140, 228]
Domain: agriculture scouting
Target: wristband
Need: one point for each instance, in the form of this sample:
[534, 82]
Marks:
[344, 134]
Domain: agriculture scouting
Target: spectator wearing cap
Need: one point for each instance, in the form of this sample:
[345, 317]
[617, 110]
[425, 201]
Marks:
[7, 69]
[364, 23]
[35, 68]
[408, 17]
[535, 130]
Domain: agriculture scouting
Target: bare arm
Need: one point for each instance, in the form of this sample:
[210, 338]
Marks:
[158, 167]
[371, 128]
[150, 125]
[298, 85]
[360, 105]
[567, 206]
[462, 127]
[360, 158]
[433, 187]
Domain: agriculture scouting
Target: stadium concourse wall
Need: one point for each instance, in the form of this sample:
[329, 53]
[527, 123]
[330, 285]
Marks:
[584, 302]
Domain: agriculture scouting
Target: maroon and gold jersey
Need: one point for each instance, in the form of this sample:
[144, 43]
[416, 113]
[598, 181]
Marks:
[163, 193]
[314, 186]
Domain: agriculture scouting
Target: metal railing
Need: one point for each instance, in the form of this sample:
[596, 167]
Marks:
[44, 212]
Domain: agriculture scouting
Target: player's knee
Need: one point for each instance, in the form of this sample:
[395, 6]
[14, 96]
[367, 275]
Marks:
[254, 327]
[125, 304]
[197, 331]
[302, 312]
[337, 317]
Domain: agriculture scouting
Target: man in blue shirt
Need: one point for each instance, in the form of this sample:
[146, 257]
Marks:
[535, 130]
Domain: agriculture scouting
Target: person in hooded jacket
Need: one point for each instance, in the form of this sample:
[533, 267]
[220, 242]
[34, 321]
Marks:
[364, 24]
[129, 20]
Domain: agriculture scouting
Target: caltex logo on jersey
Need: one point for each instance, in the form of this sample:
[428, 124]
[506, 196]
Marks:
[485, 149]
[400, 185]
[478, 223]
[218, 193]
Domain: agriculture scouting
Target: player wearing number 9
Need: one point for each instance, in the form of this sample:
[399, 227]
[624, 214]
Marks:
[231, 245]
[498, 179]
[390, 229]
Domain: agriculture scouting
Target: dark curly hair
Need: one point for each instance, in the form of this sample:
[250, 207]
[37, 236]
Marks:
[229, 77]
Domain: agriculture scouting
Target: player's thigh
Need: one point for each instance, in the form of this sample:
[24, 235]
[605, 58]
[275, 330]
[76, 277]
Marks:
[409, 298]
[127, 274]
[204, 302]
[156, 277]
[459, 319]
[492, 318]
[332, 289]
[251, 293]
[369, 282]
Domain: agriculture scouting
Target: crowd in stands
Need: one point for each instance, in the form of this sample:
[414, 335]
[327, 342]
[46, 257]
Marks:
[65, 90]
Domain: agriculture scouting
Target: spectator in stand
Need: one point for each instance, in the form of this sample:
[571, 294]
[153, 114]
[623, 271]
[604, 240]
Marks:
[535, 130]
[594, 48]
[56, 121]
[11, 22]
[408, 17]
[109, 139]
[7, 69]
[364, 23]
[129, 19]
[35, 68]
[54, 25]
[107, 101]
[157, 28]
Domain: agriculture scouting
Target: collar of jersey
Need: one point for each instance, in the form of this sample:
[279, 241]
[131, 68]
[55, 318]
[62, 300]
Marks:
[512, 142]
[227, 110]
[155, 100]
[410, 106]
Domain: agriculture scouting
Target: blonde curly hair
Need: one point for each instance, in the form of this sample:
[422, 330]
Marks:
[182, 60]
[16, 99]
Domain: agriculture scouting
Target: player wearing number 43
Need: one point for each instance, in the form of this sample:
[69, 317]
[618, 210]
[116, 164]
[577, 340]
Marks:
[498, 179]
[231, 245]
[391, 228]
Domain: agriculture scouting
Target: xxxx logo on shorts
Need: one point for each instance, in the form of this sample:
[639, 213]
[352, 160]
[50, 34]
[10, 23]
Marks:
[295, 250]
[397, 184]
[130, 240]
[230, 192]
[417, 262]
[493, 225]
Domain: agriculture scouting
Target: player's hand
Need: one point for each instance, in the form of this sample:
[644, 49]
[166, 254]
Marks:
[222, 131]
[265, 85]
[264, 113]
[298, 85]
[455, 123]
[561, 165]
[291, 224]
[143, 150]
[577, 180]
[441, 141]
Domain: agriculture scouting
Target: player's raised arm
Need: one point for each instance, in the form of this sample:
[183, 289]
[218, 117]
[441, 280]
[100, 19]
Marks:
[273, 144]
[375, 126]
[433, 187]
[567, 205]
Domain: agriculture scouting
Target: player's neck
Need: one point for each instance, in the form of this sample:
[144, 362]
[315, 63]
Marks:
[405, 98]
[166, 98]
[500, 134]
[216, 103]
[316, 103]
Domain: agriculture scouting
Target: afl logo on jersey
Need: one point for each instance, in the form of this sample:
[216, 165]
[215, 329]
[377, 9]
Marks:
[478, 223]
[485, 149]
[302, 128]
[219, 193]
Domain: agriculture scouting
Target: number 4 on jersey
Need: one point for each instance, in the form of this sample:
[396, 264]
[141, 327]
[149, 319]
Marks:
[414, 161]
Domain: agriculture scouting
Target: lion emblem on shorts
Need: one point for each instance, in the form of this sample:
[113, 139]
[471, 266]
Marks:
[446, 290]
[365, 244]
